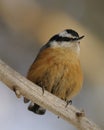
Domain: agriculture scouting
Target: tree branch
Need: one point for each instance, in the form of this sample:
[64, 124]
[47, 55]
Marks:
[31, 91]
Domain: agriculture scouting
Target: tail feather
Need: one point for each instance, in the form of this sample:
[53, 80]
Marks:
[36, 109]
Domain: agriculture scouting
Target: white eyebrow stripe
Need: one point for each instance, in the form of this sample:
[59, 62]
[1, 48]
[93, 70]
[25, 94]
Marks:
[66, 34]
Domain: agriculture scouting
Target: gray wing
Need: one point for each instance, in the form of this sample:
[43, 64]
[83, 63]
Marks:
[41, 49]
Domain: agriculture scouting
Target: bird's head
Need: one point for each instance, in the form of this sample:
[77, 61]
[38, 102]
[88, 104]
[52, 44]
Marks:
[67, 39]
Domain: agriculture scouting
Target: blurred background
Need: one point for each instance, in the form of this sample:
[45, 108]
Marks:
[25, 25]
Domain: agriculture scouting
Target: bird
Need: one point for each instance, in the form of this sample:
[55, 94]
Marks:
[57, 68]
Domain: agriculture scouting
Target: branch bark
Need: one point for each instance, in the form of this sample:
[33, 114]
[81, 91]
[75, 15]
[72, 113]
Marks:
[33, 92]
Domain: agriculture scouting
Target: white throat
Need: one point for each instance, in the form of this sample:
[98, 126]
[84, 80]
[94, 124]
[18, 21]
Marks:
[73, 46]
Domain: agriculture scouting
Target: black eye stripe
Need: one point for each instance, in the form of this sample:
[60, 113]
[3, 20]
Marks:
[61, 39]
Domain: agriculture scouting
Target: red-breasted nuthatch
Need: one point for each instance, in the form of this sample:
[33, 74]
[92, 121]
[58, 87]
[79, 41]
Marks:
[57, 67]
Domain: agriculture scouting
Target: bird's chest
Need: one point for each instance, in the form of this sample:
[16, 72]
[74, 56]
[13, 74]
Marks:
[58, 71]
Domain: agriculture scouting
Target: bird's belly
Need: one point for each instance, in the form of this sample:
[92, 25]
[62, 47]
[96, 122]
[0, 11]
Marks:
[66, 82]
[63, 80]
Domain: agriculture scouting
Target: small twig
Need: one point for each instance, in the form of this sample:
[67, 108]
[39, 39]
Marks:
[31, 91]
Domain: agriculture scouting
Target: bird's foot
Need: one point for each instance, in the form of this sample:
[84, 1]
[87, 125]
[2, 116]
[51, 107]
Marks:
[43, 88]
[68, 102]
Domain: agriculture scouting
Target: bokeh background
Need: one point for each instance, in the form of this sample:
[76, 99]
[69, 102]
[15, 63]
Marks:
[25, 25]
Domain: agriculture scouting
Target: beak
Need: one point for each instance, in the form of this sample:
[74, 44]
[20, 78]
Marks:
[79, 38]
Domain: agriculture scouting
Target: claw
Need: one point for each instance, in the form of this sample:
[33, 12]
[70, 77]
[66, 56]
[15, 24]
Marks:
[43, 88]
[68, 102]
